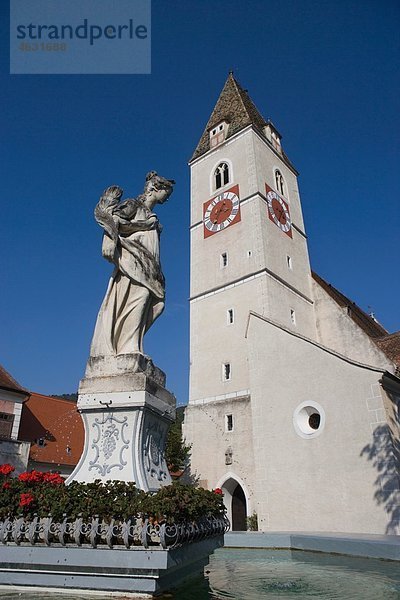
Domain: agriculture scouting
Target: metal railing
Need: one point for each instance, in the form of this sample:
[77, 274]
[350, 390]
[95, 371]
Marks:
[130, 533]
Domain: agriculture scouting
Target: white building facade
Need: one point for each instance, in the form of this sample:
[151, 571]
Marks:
[12, 398]
[291, 396]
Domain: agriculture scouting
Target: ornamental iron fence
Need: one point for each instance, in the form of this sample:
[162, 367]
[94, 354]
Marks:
[130, 533]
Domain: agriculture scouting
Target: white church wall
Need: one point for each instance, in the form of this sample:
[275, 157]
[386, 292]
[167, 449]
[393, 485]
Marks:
[287, 257]
[207, 270]
[338, 331]
[379, 451]
[267, 162]
[205, 426]
[323, 481]
[214, 341]
[289, 308]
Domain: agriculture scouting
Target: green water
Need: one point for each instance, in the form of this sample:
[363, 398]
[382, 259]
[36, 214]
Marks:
[276, 575]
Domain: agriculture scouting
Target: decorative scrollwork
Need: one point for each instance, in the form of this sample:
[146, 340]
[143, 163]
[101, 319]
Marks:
[18, 530]
[105, 443]
[5, 530]
[62, 530]
[34, 529]
[110, 435]
[131, 532]
[153, 450]
[94, 532]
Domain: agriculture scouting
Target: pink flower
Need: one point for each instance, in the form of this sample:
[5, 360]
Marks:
[218, 491]
[6, 469]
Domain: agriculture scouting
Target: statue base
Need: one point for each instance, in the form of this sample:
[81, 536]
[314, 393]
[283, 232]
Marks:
[126, 418]
[122, 364]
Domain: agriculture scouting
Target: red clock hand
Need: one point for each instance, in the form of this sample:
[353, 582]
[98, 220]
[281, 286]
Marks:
[283, 214]
[216, 214]
[221, 207]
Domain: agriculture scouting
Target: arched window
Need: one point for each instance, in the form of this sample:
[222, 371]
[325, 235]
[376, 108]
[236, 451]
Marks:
[280, 183]
[221, 175]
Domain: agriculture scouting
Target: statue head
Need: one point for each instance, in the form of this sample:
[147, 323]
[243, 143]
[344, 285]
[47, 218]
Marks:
[157, 189]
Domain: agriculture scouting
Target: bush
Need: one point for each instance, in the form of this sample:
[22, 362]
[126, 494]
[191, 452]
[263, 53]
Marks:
[252, 522]
[42, 494]
[178, 502]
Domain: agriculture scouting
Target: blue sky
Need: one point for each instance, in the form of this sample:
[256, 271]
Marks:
[325, 72]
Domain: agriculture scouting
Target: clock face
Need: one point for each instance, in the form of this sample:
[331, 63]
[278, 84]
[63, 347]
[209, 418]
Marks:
[278, 211]
[221, 211]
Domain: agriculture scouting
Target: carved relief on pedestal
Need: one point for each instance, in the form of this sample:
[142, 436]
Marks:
[153, 451]
[109, 442]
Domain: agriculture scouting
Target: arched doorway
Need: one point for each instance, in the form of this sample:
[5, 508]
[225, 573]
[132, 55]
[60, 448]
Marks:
[238, 509]
[236, 504]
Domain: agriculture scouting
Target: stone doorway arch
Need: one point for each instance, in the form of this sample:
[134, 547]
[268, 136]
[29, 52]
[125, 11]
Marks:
[239, 509]
[236, 501]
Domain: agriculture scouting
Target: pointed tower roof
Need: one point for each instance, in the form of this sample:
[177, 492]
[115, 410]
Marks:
[235, 106]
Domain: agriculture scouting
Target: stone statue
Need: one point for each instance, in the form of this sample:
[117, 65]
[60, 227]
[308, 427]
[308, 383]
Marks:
[136, 291]
[122, 398]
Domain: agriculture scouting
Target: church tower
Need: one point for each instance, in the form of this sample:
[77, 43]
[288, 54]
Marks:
[248, 245]
[289, 384]
[248, 253]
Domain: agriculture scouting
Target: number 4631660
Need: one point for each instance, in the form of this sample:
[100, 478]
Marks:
[42, 47]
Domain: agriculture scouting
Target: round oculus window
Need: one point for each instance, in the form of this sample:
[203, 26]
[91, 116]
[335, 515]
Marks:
[314, 420]
[309, 419]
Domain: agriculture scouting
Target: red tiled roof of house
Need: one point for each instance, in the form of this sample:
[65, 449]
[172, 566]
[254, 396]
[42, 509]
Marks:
[56, 422]
[369, 325]
[390, 344]
[9, 383]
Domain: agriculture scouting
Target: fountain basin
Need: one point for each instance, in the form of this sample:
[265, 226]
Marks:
[133, 556]
[385, 547]
[146, 571]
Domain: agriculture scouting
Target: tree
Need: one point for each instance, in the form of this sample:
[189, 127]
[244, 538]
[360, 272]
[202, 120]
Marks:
[177, 453]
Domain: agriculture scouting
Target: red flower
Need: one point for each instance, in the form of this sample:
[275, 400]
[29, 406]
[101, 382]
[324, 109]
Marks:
[6, 485]
[53, 478]
[218, 491]
[26, 499]
[32, 476]
[6, 469]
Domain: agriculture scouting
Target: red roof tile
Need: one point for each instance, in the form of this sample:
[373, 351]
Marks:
[390, 344]
[58, 423]
[9, 383]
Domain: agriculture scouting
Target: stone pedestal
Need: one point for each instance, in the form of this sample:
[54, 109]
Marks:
[126, 412]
